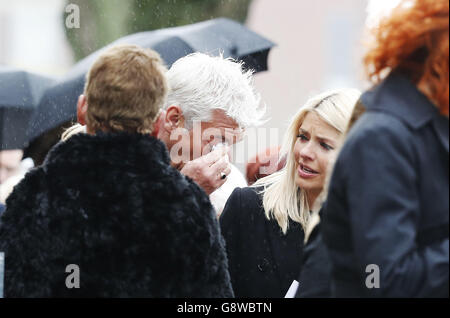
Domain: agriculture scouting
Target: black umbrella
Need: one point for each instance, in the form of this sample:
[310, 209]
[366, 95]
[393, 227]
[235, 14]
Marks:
[58, 105]
[20, 92]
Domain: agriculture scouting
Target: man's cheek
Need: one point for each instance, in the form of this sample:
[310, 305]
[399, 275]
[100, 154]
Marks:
[206, 147]
[199, 149]
[230, 154]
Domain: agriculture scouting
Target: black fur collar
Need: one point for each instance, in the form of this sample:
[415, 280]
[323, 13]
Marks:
[84, 149]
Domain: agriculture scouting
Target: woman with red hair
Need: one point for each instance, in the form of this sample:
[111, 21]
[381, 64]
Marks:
[385, 221]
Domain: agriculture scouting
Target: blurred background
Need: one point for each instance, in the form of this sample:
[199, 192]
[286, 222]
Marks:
[319, 43]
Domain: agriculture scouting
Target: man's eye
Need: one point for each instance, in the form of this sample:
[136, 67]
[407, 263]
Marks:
[302, 137]
[217, 139]
[326, 146]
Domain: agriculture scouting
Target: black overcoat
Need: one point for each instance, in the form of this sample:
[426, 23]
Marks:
[388, 201]
[112, 205]
[263, 262]
[315, 274]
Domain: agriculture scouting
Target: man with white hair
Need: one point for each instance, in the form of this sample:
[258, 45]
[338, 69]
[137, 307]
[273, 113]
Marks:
[211, 102]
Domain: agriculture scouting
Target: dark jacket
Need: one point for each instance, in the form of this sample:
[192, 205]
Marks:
[114, 206]
[388, 201]
[263, 262]
[315, 275]
[2, 209]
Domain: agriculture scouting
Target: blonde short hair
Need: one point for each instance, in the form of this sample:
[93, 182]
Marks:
[125, 90]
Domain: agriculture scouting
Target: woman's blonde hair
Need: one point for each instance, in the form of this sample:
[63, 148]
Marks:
[282, 199]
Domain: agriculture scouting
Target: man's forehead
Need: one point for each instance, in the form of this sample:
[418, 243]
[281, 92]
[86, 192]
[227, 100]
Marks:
[223, 129]
[220, 119]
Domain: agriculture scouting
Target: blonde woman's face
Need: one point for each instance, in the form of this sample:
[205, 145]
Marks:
[314, 149]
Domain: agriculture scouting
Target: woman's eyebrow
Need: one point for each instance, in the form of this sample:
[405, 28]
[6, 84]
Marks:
[322, 138]
[301, 130]
[325, 139]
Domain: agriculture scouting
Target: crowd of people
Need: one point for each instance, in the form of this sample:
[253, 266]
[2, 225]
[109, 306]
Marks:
[142, 197]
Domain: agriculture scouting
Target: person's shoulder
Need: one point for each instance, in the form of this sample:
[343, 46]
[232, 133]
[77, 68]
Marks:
[243, 203]
[379, 123]
[376, 138]
[248, 196]
[177, 197]
[29, 186]
[378, 129]
[189, 186]
[27, 203]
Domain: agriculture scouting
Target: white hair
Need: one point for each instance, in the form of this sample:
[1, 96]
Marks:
[200, 83]
[282, 198]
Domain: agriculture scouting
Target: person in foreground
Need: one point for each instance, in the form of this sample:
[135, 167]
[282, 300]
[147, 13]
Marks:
[106, 215]
[263, 225]
[385, 221]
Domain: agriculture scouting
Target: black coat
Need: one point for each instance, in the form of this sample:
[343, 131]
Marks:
[263, 262]
[315, 274]
[114, 206]
[388, 201]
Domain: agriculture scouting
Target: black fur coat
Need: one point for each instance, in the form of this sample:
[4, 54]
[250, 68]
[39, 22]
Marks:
[114, 206]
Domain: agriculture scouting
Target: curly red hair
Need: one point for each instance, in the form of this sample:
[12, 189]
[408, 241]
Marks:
[414, 39]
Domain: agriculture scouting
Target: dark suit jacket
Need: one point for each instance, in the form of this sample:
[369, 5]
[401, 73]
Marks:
[262, 261]
[388, 201]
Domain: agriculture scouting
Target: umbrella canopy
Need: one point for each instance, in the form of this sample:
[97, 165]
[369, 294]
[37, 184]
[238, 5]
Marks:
[20, 92]
[58, 105]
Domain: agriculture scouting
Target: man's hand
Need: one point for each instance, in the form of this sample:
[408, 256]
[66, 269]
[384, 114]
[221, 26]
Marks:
[209, 170]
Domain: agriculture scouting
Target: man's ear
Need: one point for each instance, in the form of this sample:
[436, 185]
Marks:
[173, 118]
[82, 107]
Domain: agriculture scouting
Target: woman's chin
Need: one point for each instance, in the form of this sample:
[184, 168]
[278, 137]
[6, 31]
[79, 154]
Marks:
[306, 184]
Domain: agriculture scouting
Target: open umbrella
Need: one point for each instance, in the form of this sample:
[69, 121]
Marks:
[20, 92]
[58, 105]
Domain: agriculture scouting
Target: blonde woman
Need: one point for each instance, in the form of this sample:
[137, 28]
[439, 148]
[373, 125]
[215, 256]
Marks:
[264, 226]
